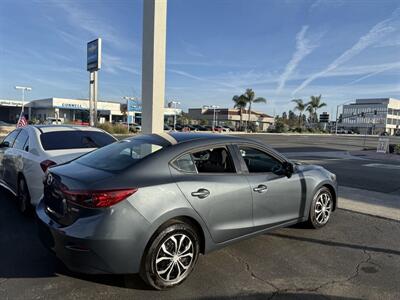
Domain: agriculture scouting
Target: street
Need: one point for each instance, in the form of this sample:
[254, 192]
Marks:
[356, 256]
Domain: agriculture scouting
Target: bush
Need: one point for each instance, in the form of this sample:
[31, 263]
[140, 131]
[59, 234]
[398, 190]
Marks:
[397, 149]
[113, 128]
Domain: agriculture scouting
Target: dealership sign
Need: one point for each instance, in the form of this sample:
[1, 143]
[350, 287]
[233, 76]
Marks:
[94, 55]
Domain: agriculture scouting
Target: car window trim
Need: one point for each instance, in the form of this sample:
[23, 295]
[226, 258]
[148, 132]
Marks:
[202, 148]
[260, 148]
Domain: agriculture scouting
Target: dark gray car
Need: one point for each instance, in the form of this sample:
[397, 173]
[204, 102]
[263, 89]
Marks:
[150, 204]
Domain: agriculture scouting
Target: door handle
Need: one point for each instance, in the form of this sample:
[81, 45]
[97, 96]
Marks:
[261, 188]
[201, 193]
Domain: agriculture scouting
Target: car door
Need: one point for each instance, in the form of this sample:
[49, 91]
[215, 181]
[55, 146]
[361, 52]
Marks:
[277, 198]
[15, 159]
[221, 196]
[4, 149]
[6, 157]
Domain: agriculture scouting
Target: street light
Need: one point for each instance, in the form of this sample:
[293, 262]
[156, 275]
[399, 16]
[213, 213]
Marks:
[214, 107]
[23, 89]
[174, 104]
[127, 107]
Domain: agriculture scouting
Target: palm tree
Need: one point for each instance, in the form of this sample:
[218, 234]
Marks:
[240, 103]
[250, 97]
[312, 107]
[300, 106]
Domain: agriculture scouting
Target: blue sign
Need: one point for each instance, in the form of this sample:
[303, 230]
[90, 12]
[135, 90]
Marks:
[134, 106]
[94, 55]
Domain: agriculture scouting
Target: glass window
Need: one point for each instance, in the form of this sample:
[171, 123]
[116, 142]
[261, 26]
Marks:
[215, 160]
[60, 140]
[11, 137]
[185, 163]
[120, 155]
[21, 140]
[260, 162]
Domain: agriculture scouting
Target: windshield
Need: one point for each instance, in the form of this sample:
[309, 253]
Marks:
[119, 156]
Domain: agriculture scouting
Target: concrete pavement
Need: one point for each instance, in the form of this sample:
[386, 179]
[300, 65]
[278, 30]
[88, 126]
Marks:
[354, 257]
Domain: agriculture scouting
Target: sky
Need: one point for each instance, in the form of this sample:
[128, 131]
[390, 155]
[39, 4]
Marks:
[282, 49]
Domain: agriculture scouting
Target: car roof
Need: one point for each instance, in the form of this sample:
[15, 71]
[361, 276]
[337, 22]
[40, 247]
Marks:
[181, 137]
[54, 128]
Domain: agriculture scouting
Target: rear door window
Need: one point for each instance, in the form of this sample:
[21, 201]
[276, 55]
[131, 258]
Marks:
[11, 137]
[20, 141]
[61, 140]
[119, 156]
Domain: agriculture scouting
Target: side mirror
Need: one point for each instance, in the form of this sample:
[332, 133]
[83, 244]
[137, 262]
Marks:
[288, 168]
[5, 144]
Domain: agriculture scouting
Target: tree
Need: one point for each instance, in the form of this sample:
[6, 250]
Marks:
[312, 107]
[250, 97]
[300, 106]
[240, 103]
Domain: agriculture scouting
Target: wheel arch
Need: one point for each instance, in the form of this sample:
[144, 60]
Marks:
[333, 191]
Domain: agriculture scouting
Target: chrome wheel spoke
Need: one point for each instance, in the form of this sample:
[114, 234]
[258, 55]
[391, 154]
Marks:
[164, 248]
[174, 258]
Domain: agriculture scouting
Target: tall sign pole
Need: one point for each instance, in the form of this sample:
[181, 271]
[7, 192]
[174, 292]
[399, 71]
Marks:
[93, 65]
[153, 65]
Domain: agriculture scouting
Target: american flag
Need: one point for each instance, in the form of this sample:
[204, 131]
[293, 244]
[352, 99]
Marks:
[22, 122]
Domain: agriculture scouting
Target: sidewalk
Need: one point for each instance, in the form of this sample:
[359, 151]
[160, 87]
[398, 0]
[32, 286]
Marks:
[372, 154]
[369, 202]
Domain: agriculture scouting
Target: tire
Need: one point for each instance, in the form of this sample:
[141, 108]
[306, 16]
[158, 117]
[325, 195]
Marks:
[173, 269]
[23, 197]
[321, 208]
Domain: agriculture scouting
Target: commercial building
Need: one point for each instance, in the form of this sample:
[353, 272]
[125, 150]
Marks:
[70, 110]
[231, 117]
[371, 116]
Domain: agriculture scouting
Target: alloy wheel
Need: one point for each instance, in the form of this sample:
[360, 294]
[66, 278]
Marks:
[323, 208]
[174, 258]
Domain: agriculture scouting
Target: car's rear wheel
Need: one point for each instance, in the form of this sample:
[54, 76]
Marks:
[171, 256]
[321, 208]
[23, 197]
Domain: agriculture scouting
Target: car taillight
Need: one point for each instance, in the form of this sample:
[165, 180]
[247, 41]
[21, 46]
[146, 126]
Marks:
[98, 199]
[46, 164]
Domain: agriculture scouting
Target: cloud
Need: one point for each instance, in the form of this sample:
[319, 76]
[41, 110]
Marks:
[303, 48]
[114, 65]
[388, 67]
[191, 49]
[375, 34]
[317, 4]
[92, 24]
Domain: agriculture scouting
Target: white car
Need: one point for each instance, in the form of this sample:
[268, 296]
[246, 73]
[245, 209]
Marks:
[26, 153]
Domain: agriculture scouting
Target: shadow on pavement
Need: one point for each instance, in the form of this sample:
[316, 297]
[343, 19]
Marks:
[336, 244]
[23, 256]
[277, 296]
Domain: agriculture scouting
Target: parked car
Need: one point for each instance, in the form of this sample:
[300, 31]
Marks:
[221, 128]
[152, 203]
[167, 127]
[26, 153]
[385, 133]
[54, 121]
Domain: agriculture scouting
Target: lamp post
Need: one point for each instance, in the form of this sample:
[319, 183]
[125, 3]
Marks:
[214, 107]
[174, 105]
[127, 107]
[23, 89]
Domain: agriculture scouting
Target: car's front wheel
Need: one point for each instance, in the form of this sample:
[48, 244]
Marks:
[171, 256]
[23, 197]
[321, 208]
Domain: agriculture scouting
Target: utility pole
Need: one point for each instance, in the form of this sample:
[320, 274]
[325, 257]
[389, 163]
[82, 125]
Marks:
[153, 65]
[93, 65]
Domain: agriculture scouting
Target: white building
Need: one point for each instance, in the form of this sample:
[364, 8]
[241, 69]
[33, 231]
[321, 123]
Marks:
[372, 116]
[70, 110]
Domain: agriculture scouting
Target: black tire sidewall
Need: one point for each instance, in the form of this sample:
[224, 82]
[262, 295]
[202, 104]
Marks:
[312, 218]
[21, 198]
[148, 271]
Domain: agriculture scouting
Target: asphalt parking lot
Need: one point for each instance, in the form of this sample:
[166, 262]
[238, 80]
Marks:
[356, 256]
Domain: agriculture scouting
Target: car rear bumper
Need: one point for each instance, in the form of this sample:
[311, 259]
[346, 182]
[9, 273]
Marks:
[97, 244]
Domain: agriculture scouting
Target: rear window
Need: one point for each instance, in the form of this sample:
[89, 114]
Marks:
[119, 156]
[61, 140]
